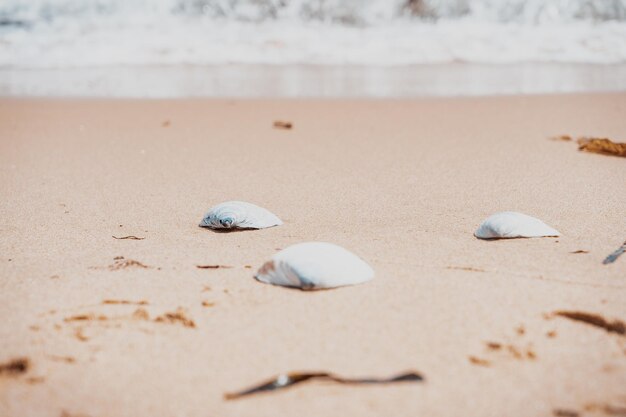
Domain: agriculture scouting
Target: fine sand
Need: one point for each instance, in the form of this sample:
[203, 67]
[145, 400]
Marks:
[403, 184]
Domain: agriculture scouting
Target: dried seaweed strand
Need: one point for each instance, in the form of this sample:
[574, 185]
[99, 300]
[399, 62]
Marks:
[139, 303]
[287, 380]
[613, 257]
[561, 412]
[478, 361]
[279, 124]
[128, 237]
[86, 317]
[66, 359]
[122, 263]
[607, 409]
[176, 317]
[466, 268]
[616, 326]
[213, 266]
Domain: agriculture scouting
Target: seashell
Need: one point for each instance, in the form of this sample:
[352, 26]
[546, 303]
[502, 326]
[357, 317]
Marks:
[510, 224]
[315, 265]
[239, 215]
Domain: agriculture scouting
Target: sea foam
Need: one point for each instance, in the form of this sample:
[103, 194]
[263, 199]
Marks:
[82, 33]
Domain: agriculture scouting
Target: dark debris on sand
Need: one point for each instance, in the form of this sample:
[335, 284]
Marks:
[615, 326]
[15, 367]
[478, 361]
[214, 266]
[287, 380]
[126, 302]
[280, 124]
[616, 254]
[561, 412]
[177, 317]
[121, 263]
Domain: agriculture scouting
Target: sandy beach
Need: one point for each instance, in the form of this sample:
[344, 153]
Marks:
[131, 327]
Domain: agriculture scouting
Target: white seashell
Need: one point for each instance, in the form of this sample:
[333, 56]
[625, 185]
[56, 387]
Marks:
[315, 265]
[509, 224]
[239, 215]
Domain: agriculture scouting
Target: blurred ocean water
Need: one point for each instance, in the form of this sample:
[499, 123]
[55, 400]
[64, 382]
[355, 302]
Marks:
[52, 34]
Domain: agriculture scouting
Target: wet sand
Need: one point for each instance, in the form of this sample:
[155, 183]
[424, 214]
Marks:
[402, 183]
[313, 81]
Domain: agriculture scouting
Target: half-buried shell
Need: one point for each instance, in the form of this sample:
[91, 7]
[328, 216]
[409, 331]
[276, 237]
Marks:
[315, 265]
[510, 224]
[239, 215]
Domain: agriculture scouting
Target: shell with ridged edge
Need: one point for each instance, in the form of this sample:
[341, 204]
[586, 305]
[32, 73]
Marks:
[510, 224]
[239, 215]
[315, 265]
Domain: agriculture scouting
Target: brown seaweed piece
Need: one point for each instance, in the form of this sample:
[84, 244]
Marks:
[613, 256]
[213, 266]
[65, 413]
[478, 361]
[80, 335]
[564, 138]
[175, 317]
[616, 326]
[121, 263]
[494, 345]
[279, 124]
[466, 268]
[141, 314]
[14, 367]
[608, 409]
[138, 303]
[35, 380]
[602, 146]
[86, 317]
[66, 359]
[128, 237]
[287, 380]
[561, 412]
